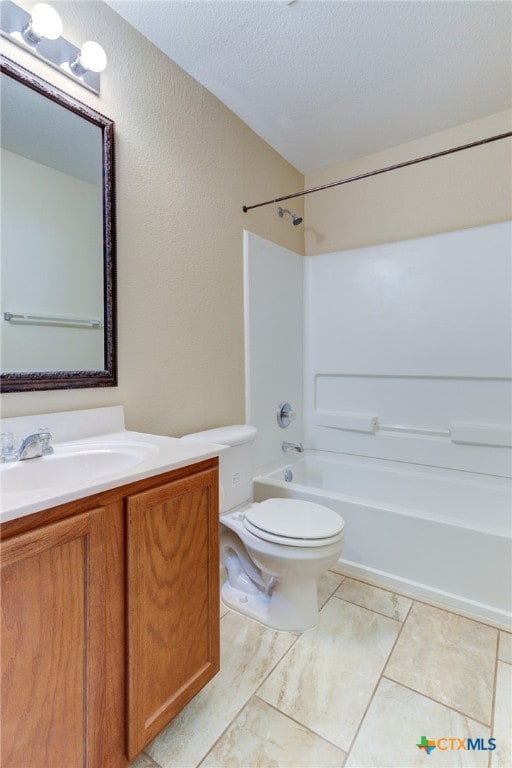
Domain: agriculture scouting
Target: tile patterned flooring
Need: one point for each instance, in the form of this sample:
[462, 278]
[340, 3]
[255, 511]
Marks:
[360, 690]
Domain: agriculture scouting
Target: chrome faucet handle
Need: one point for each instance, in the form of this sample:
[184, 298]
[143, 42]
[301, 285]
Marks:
[298, 447]
[44, 438]
[285, 414]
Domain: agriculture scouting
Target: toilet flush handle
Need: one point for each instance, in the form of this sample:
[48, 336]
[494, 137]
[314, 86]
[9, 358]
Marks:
[285, 415]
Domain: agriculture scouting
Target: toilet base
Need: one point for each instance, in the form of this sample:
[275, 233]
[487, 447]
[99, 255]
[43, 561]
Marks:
[291, 607]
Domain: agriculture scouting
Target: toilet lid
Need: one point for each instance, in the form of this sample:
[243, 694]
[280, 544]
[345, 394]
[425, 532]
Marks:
[294, 519]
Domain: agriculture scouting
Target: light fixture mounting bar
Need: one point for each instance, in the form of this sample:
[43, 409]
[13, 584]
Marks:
[57, 53]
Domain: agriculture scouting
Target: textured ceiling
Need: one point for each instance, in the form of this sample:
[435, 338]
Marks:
[325, 82]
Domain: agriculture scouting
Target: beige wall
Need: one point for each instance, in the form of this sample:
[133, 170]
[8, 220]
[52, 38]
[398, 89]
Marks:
[185, 166]
[463, 190]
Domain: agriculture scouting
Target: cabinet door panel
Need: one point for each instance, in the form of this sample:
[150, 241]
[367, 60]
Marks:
[52, 644]
[173, 600]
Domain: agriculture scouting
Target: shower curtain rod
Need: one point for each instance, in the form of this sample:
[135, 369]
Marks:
[246, 208]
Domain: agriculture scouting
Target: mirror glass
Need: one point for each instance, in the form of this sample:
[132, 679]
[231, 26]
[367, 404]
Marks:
[57, 238]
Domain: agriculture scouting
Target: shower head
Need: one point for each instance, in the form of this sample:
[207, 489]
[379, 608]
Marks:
[295, 219]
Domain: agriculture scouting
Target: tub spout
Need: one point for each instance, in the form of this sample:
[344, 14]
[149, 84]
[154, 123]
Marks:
[298, 447]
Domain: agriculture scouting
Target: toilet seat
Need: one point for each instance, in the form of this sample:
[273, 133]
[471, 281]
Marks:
[293, 522]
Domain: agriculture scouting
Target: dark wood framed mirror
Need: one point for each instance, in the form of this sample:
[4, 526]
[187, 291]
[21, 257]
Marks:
[58, 249]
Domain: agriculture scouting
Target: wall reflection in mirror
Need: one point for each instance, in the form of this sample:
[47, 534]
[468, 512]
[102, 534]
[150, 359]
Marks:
[57, 239]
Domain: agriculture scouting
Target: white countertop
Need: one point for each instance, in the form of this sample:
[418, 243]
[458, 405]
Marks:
[85, 464]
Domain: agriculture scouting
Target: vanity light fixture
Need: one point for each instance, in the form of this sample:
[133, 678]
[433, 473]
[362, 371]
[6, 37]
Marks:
[40, 33]
[91, 58]
[44, 23]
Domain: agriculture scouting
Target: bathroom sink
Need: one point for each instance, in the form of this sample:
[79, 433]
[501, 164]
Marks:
[93, 452]
[70, 466]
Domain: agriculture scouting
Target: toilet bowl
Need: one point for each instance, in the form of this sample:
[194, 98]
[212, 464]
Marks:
[273, 551]
[271, 577]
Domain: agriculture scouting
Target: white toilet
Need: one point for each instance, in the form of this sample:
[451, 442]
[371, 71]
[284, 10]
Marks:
[273, 551]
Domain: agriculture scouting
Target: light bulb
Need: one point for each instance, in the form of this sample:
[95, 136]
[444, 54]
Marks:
[45, 22]
[93, 57]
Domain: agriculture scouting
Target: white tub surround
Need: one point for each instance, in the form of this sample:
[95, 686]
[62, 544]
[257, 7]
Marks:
[398, 351]
[274, 312]
[407, 380]
[435, 534]
[93, 452]
[408, 350]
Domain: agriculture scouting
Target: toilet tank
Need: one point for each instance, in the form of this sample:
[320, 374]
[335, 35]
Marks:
[235, 464]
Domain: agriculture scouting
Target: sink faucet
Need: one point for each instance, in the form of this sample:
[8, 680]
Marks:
[298, 447]
[33, 446]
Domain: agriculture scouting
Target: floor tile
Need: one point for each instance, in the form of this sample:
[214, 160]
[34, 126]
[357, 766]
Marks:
[394, 724]
[248, 653]
[387, 603]
[447, 657]
[327, 678]
[261, 737]
[505, 647]
[327, 583]
[502, 756]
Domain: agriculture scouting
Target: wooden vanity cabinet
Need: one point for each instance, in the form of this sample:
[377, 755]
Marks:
[173, 600]
[110, 619]
[52, 643]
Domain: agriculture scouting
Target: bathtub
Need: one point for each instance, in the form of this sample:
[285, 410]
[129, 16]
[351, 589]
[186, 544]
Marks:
[441, 535]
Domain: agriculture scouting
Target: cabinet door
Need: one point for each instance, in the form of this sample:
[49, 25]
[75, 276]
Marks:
[173, 600]
[53, 644]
